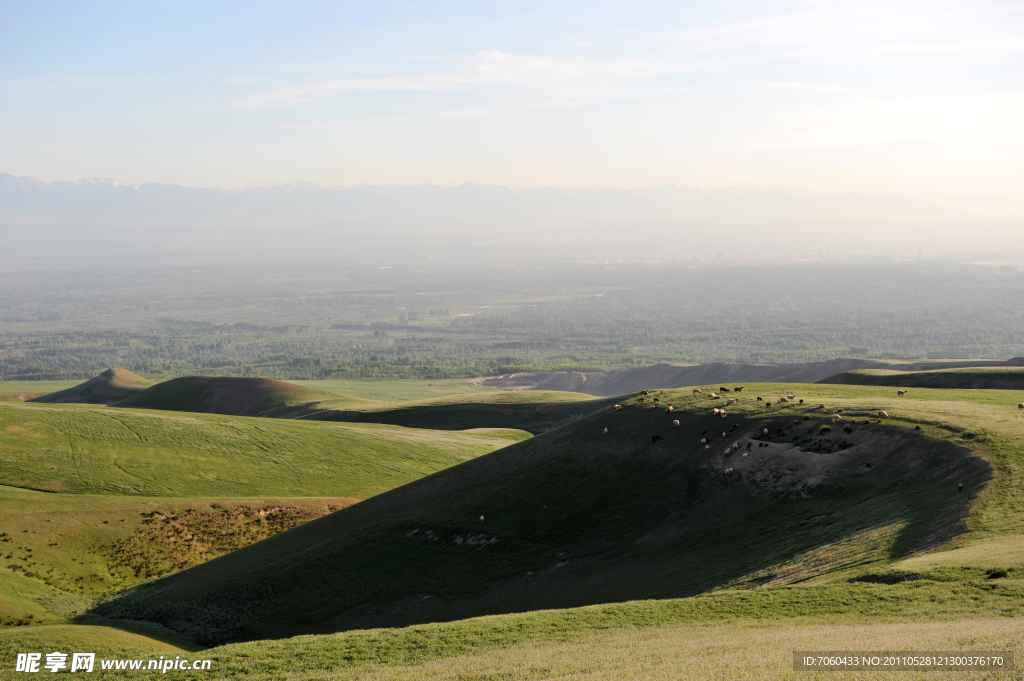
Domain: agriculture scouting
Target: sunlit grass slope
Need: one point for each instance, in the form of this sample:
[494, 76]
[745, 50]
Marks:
[993, 378]
[738, 635]
[532, 410]
[96, 450]
[579, 515]
[408, 390]
[147, 493]
[60, 551]
[22, 391]
[105, 641]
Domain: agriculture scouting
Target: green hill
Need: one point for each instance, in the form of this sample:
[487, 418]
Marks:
[990, 378]
[532, 411]
[456, 406]
[238, 396]
[125, 495]
[102, 450]
[578, 516]
[111, 386]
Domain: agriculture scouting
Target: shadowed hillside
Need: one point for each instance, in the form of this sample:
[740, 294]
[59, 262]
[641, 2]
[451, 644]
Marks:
[991, 378]
[534, 411]
[111, 386]
[579, 516]
[232, 395]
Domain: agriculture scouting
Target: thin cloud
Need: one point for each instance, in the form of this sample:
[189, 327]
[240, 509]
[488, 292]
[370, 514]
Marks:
[563, 76]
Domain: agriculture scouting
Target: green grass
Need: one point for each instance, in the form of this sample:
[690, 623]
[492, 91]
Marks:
[446, 405]
[112, 466]
[761, 570]
[95, 450]
[535, 411]
[397, 391]
[61, 551]
[19, 391]
[106, 641]
[576, 516]
[728, 627]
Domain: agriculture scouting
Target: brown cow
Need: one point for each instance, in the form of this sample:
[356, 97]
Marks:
[738, 390]
[902, 392]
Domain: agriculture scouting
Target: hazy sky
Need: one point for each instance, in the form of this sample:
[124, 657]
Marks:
[918, 98]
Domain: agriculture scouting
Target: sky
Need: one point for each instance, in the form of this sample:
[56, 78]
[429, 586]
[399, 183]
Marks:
[922, 99]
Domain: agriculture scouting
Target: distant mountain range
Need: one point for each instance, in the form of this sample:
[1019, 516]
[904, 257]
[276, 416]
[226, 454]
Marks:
[405, 222]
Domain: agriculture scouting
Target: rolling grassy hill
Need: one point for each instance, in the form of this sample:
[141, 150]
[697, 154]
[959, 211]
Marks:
[96, 498]
[447, 406]
[96, 450]
[990, 378]
[111, 386]
[233, 396]
[532, 411]
[401, 390]
[578, 516]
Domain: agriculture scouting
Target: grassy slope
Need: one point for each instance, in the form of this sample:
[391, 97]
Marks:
[116, 465]
[583, 517]
[22, 391]
[535, 411]
[991, 378]
[397, 391]
[452, 406]
[110, 386]
[742, 650]
[105, 641]
[62, 550]
[95, 450]
[235, 396]
[727, 635]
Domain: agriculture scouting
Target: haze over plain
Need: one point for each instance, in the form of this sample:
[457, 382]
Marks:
[890, 126]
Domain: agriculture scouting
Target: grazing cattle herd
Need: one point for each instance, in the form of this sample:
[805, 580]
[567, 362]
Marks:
[735, 446]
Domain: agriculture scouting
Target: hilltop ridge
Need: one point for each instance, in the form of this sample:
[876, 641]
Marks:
[231, 395]
[113, 385]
